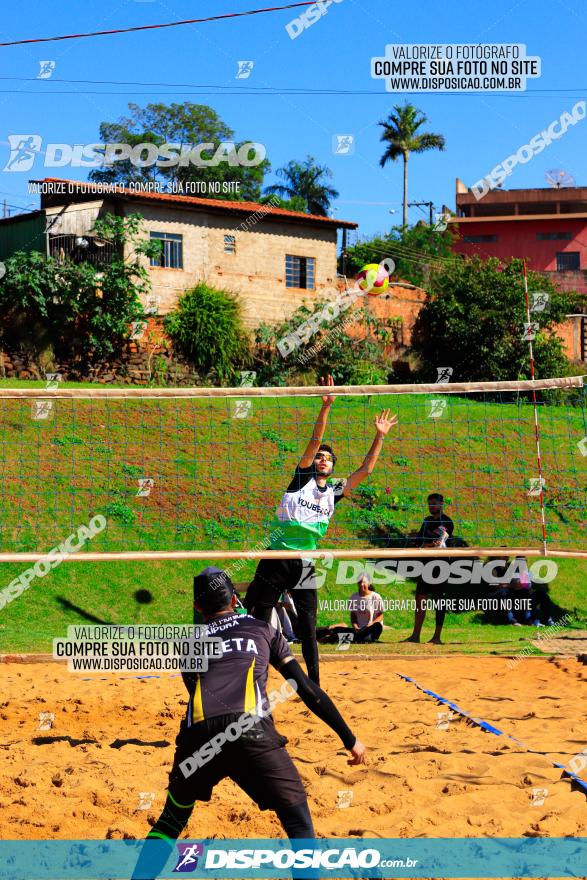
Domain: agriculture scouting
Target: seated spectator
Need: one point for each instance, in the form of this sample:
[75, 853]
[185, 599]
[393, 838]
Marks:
[519, 591]
[541, 612]
[538, 604]
[366, 608]
[498, 589]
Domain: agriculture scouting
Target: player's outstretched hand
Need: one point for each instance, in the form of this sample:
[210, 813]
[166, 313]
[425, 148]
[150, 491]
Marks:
[384, 422]
[327, 399]
[358, 753]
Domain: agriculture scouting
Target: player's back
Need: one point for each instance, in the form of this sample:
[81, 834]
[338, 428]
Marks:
[236, 681]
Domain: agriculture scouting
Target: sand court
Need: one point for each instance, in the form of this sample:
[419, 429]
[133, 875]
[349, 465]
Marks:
[98, 768]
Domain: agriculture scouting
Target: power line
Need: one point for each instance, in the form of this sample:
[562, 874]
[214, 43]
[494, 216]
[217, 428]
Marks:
[23, 209]
[151, 27]
[430, 206]
[248, 88]
[224, 90]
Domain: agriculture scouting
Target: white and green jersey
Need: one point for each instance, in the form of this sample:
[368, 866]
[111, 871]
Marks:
[304, 511]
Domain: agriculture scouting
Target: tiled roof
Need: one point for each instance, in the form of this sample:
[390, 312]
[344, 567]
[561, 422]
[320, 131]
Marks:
[215, 204]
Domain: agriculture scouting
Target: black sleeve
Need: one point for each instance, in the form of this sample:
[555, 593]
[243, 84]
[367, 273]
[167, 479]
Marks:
[318, 702]
[189, 679]
[301, 476]
[448, 524]
[421, 534]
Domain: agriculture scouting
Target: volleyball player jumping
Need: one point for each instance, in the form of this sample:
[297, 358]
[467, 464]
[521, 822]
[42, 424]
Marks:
[303, 516]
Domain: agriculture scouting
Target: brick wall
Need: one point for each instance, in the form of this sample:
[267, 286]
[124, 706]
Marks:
[149, 357]
[256, 272]
[570, 333]
[405, 302]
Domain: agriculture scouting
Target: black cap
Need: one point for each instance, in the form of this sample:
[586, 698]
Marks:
[213, 590]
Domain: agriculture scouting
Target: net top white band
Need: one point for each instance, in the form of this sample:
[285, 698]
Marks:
[142, 393]
[366, 553]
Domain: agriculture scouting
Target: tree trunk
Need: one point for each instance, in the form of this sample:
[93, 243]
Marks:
[405, 189]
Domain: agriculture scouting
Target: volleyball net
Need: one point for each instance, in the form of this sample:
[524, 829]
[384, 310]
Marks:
[178, 473]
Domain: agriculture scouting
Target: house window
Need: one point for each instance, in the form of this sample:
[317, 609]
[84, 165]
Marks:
[299, 271]
[553, 236]
[568, 261]
[230, 244]
[171, 256]
[480, 239]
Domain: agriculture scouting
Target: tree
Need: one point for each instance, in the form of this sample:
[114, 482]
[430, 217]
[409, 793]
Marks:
[306, 180]
[190, 125]
[473, 321]
[400, 133]
[73, 311]
[415, 250]
[296, 203]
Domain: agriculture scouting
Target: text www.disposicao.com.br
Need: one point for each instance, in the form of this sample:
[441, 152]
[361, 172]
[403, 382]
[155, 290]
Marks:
[136, 664]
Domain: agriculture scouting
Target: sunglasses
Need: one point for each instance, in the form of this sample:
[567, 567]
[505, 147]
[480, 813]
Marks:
[325, 455]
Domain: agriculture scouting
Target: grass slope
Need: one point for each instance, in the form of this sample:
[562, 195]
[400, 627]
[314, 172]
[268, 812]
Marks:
[218, 478]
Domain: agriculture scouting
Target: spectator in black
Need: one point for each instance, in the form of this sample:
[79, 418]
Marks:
[431, 523]
[435, 531]
[498, 589]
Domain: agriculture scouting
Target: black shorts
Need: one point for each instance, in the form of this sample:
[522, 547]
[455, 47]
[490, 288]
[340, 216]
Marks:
[274, 576]
[434, 591]
[257, 761]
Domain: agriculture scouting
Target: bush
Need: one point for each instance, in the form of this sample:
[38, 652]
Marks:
[473, 320]
[207, 328]
[120, 512]
[53, 309]
[351, 360]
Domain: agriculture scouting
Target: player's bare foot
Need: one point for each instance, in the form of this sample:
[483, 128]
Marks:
[413, 639]
[435, 641]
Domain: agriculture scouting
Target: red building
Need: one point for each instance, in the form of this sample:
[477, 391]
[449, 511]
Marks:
[548, 227]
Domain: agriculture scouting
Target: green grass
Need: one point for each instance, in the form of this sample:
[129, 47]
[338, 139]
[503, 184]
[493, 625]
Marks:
[218, 480]
[104, 592]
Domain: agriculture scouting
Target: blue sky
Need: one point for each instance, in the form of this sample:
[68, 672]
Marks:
[334, 53]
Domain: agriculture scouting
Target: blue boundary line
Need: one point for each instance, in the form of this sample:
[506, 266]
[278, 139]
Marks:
[484, 725]
[126, 677]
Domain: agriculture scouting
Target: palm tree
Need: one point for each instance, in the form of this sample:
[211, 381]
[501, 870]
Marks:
[305, 179]
[400, 132]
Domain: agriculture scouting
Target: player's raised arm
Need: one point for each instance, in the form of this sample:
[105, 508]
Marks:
[383, 424]
[320, 426]
[322, 706]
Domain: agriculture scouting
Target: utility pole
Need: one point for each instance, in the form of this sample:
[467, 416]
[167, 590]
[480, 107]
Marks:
[420, 204]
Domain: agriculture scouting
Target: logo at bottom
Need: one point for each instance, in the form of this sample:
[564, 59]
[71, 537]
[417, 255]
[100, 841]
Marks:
[187, 858]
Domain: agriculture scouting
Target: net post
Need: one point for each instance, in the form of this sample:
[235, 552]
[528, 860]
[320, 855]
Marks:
[535, 406]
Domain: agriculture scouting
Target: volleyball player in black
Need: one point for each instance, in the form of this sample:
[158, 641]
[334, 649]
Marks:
[235, 685]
